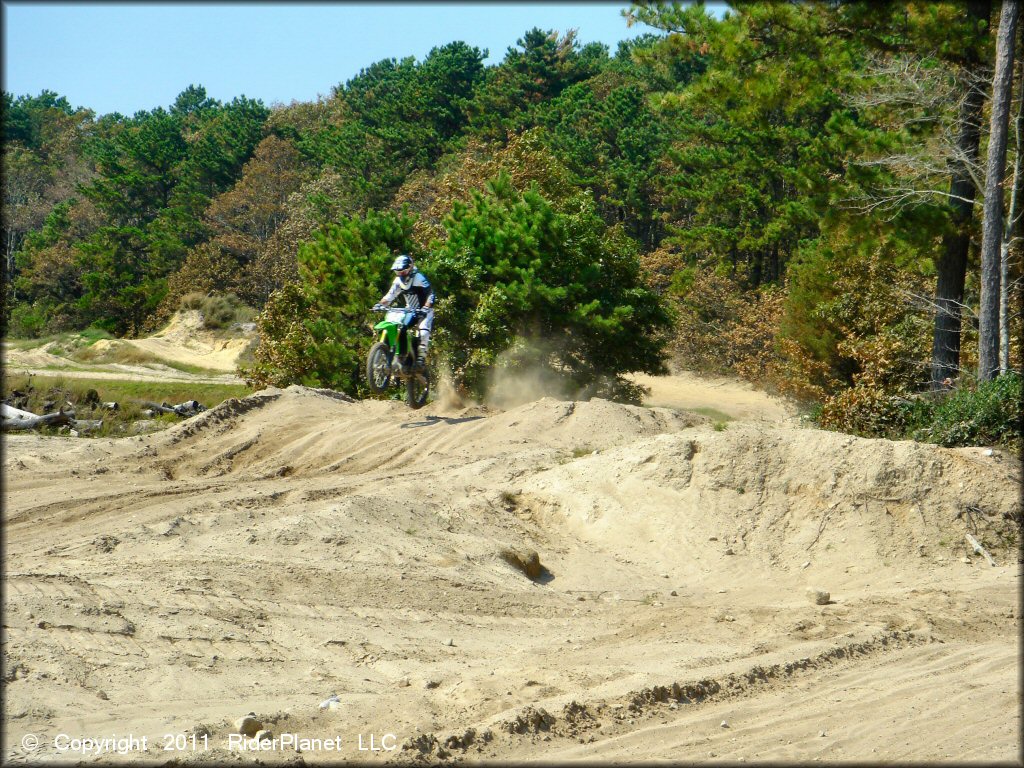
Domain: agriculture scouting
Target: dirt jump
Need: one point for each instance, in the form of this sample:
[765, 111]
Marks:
[554, 581]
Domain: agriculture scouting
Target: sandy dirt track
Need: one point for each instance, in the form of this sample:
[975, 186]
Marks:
[294, 545]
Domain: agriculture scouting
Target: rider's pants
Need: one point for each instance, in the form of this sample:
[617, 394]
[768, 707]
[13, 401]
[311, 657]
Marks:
[426, 325]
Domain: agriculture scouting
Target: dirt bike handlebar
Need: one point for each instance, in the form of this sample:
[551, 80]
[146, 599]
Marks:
[382, 308]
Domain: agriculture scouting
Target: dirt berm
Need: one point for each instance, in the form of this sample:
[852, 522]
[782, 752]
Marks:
[279, 550]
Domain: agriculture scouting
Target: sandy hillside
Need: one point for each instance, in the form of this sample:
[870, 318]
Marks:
[292, 546]
[184, 341]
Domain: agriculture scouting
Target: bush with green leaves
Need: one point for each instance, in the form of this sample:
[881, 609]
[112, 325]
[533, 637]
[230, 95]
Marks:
[316, 332]
[523, 283]
[989, 414]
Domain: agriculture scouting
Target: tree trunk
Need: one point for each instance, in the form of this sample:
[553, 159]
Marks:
[951, 265]
[1010, 232]
[17, 419]
[992, 223]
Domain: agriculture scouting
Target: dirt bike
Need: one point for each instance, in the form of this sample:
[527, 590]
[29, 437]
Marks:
[391, 362]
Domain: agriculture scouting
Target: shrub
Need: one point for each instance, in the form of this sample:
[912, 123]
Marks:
[528, 285]
[222, 311]
[193, 300]
[315, 333]
[218, 311]
[989, 414]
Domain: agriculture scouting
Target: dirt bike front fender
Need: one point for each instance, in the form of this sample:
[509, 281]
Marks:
[389, 333]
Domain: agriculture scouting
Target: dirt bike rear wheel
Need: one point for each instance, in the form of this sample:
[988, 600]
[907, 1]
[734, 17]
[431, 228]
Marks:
[417, 388]
[378, 367]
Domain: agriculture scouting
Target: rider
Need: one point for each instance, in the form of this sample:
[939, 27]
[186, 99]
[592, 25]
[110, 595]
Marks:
[414, 287]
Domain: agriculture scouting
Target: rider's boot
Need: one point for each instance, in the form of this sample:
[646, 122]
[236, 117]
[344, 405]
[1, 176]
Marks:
[421, 351]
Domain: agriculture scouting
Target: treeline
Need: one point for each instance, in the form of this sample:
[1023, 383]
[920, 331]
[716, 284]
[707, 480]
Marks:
[793, 193]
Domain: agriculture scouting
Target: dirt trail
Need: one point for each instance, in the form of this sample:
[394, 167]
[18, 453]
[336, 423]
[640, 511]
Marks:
[703, 392]
[294, 545]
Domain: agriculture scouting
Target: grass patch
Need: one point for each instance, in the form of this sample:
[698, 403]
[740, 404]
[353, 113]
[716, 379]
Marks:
[712, 413]
[63, 342]
[128, 354]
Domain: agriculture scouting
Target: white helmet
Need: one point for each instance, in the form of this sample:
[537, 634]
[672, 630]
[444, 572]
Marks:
[403, 269]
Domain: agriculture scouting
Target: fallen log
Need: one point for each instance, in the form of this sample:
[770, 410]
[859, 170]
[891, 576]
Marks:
[186, 409]
[155, 408]
[17, 419]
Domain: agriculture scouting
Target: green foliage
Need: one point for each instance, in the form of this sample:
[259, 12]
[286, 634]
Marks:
[755, 159]
[611, 143]
[539, 68]
[315, 333]
[395, 117]
[154, 176]
[851, 315]
[526, 284]
[988, 414]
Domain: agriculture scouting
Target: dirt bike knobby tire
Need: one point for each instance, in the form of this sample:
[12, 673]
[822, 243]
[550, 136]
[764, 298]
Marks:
[417, 390]
[380, 348]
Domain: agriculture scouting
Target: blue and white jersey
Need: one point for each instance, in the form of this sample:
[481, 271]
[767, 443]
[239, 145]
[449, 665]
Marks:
[415, 290]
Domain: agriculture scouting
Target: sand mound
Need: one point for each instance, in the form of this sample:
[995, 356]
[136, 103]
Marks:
[185, 340]
[293, 545]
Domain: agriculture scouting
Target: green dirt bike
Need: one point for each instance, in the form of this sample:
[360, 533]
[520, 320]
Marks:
[391, 362]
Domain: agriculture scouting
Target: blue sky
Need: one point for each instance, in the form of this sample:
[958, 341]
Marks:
[125, 57]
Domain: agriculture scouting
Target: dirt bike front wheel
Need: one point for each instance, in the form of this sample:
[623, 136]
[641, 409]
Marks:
[417, 388]
[378, 367]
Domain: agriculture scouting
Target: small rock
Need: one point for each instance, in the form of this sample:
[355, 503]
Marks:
[527, 561]
[248, 725]
[580, 599]
[819, 596]
[330, 701]
[102, 695]
[966, 560]
[674, 593]
[429, 684]
[822, 734]
[403, 683]
[729, 551]
[449, 642]
[725, 724]
[663, 624]
[712, 538]
[988, 451]
[264, 735]
[805, 565]
[664, 575]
